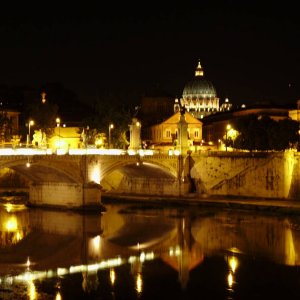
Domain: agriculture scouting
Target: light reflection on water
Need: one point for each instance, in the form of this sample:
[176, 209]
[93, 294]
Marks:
[132, 251]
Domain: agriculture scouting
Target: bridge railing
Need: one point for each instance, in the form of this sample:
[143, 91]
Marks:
[78, 151]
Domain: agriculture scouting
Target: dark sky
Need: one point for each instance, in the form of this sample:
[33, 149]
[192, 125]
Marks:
[248, 50]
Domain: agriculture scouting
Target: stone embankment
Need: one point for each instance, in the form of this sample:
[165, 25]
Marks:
[283, 206]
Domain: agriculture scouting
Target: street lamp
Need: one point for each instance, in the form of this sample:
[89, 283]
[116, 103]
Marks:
[110, 127]
[58, 125]
[228, 127]
[30, 123]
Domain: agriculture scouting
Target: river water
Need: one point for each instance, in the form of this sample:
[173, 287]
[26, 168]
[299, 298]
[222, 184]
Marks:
[139, 251]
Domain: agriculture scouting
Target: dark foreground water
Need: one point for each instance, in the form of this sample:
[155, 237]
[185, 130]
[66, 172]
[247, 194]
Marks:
[130, 252]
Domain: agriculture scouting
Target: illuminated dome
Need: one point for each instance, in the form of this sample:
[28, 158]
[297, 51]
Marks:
[199, 96]
[199, 88]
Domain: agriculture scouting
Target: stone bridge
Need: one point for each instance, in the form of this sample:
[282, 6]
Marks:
[78, 180]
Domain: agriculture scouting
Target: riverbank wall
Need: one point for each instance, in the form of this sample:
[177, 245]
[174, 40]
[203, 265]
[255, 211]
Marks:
[266, 175]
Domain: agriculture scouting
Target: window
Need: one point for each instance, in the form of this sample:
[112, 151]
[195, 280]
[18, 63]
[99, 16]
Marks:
[168, 133]
[196, 133]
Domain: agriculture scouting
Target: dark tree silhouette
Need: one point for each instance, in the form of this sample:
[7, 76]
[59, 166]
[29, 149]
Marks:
[264, 133]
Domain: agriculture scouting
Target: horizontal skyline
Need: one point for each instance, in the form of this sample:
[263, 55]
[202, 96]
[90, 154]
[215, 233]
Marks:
[250, 52]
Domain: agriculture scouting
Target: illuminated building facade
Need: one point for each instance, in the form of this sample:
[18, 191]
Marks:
[166, 135]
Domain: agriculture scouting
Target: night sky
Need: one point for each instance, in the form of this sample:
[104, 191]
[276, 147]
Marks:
[249, 51]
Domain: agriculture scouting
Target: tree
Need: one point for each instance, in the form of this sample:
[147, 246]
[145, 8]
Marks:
[44, 116]
[264, 133]
[6, 130]
[110, 112]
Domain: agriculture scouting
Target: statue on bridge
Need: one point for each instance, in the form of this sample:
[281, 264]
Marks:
[135, 134]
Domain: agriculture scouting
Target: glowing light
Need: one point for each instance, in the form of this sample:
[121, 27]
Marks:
[58, 296]
[32, 290]
[62, 271]
[24, 151]
[28, 164]
[176, 152]
[43, 94]
[177, 251]
[230, 280]
[112, 276]
[93, 151]
[131, 152]
[12, 224]
[95, 176]
[139, 283]
[8, 207]
[142, 257]
[28, 262]
[96, 243]
[233, 263]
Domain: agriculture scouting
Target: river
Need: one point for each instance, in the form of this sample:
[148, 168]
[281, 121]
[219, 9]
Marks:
[140, 251]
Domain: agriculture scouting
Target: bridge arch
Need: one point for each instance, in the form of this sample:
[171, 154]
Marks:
[42, 171]
[140, 164]
[137, 176]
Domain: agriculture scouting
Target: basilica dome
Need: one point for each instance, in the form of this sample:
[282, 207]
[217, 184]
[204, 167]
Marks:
[199, 96]
[199, 88]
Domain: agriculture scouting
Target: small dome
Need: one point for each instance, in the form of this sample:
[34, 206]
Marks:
[199, 87]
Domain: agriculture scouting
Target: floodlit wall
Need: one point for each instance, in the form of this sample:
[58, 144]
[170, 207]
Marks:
[271, 175]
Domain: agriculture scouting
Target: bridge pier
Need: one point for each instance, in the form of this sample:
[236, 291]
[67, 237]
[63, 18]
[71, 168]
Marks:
[65, 195]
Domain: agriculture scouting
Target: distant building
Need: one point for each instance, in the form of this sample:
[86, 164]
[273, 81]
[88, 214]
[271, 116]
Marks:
[63, 138]
[164, 136]
[226, 106]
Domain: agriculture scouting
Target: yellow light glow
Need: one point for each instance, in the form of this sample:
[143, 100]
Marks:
[230, 280]
[58, 296]
[8, 207]
[31, 122]
[61, 151]
[139, 283]
[96, 243]
[228, 127]
[233, 263]
[176, 152]
[12, 224]
[32, 290]
[131, 152]
[112, 276]
[28, 164]
[28, 262]
[95, 175]
[142, 257]
[60, 143]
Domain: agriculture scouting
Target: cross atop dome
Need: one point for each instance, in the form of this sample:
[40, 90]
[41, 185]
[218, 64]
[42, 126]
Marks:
[199, 70]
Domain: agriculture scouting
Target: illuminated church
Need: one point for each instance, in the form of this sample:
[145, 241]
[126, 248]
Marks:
[199, 96]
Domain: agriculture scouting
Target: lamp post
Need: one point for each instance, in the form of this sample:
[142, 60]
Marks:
[228, 127]
[30, 123]
[298, 119]
[110, 127]
[58, 125]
